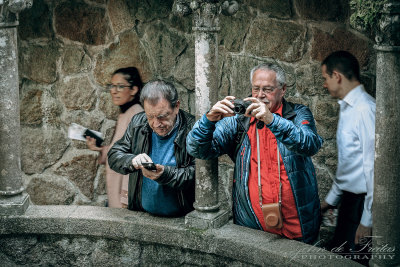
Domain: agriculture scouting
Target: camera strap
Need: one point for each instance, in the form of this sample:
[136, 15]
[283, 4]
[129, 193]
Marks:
[259, 172]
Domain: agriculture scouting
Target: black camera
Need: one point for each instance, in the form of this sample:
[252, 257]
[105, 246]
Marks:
[240, 106]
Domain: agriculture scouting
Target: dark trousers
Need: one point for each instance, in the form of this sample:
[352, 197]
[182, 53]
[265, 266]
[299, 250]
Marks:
[349, 217]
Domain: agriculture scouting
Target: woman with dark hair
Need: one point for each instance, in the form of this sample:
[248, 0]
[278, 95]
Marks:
[125, 92]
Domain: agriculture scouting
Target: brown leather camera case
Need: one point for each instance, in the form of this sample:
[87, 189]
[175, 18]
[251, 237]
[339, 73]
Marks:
[272, 215]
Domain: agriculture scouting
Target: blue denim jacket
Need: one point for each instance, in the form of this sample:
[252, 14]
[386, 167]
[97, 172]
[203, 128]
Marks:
[297, 139]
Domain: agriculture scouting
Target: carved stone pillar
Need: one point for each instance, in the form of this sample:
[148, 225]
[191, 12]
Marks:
[205, 17]
[12, 198]
[386, 208]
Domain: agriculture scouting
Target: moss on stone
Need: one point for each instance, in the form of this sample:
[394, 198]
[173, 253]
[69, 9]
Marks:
[366, 13]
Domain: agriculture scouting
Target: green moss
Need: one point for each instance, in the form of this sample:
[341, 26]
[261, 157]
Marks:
[366, 13]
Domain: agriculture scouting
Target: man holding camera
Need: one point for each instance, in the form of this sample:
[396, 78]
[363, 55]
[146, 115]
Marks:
[153, 152]
[274, 184]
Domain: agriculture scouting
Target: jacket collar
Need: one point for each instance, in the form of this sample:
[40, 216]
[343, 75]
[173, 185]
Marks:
[287, 110]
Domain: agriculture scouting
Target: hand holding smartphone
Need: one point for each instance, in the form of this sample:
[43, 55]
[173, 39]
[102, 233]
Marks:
[149, 166]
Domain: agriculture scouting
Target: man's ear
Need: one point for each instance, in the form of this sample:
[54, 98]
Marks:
[178, 103]
[337, 75]
[284, 89]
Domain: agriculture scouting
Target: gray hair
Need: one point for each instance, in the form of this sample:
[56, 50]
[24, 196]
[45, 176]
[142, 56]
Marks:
[156, 90]
[280, 73]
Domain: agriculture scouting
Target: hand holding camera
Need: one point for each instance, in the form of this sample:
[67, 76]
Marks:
[259, 110]
[221, 109]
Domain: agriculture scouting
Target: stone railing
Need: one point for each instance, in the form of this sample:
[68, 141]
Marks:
[95, 236]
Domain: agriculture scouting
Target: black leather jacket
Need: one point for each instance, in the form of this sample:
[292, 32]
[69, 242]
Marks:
[137, 140]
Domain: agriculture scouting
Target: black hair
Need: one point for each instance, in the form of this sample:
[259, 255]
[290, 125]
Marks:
[132, 76]
[343, 62]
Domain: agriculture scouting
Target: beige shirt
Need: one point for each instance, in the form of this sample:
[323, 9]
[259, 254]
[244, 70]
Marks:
[117, 184]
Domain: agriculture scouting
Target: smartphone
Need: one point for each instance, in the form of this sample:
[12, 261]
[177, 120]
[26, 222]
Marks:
[89, 133]
[149, 165]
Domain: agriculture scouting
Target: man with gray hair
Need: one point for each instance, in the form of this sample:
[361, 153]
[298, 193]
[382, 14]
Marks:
[271, 144]
[153, 152]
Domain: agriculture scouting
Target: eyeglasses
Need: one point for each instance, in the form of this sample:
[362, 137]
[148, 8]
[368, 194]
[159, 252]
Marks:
[266, 90]
[118, 87]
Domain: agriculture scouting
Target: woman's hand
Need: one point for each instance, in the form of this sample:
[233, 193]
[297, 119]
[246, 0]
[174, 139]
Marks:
[91, 143]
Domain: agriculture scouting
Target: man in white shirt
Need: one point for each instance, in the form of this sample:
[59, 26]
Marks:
[355, 136]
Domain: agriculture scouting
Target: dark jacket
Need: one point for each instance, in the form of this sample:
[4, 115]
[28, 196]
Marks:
[137, 140]
[297, 140]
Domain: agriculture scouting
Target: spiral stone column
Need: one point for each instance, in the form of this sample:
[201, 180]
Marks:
[386, 208]
[13, 199]
[206, 27]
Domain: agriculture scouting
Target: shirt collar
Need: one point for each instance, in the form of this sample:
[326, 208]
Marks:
[352, 96]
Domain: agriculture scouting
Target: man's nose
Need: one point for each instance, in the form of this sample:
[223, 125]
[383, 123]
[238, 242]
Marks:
[261, 94]
[156, 123]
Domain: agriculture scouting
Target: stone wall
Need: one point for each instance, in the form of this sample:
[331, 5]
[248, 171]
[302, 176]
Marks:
[68, 50]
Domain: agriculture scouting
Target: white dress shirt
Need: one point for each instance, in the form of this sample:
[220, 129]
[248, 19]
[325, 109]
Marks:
[355, 139]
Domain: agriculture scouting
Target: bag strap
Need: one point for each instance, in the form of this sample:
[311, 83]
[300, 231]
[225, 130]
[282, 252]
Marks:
[259, 172]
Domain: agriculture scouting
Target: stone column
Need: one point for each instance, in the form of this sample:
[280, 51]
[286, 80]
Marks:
[12, 198]
[207, 213]
[386, 208]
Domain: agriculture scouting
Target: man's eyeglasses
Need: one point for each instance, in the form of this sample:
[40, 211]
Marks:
[265, 90]
[118, 87]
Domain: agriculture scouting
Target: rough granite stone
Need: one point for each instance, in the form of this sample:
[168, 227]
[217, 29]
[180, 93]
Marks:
[369, 83]
[235, 28]
[331, 10]
[36, 21]
[183, 71]
[75, 60]
[31, 108]
[41, 147]
[81, 170]
[50, 190]
[38, 104]
[78, 21]
[309, 80]
[38, 62]
[150, 10]
[183, 24]
[77, 93]
[170, 48]
[282, 40]
[326, 108]
[324, 43]
[127, 52]
[119, 15]
[327, 127]
[275, 8]
[324, 181]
